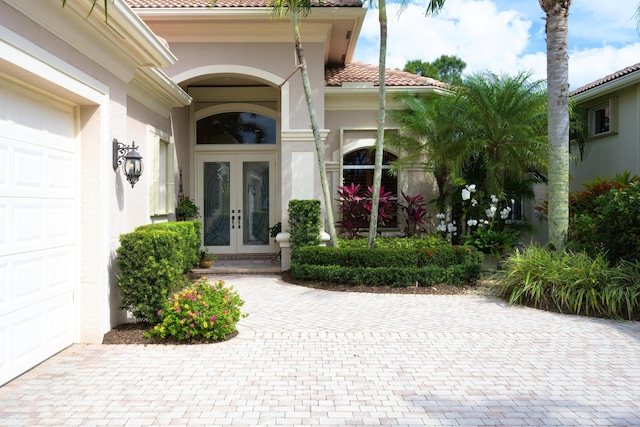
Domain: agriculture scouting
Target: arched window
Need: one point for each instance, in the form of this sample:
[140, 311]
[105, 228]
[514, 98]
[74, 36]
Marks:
[236, 128]
[358, 167]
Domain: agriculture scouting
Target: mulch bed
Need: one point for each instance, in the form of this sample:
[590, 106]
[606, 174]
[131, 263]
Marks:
[133, 333]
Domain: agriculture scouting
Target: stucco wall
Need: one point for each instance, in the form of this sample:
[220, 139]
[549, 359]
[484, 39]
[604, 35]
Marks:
[194, 59]
[107, 205]
[614, 153]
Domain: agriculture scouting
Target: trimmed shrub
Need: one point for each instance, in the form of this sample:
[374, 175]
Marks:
[203, 311]
[396, 262]
[304, 224]
[189, 235]
[151, 269]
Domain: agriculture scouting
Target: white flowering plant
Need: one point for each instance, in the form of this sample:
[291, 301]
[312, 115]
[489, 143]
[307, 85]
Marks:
[482, 222]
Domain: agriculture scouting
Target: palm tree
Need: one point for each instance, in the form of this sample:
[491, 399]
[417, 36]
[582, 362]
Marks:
[500, 126]
[433, 7]
[425, 122]
[492, 125]
[557, 29]
[298, 8]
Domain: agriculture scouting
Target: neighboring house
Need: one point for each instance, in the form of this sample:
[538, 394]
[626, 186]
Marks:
[211, 98]
[612, 106]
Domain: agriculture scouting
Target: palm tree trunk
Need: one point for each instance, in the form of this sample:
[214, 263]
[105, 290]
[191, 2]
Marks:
[377, 172]
[316, 132]
[557, 12]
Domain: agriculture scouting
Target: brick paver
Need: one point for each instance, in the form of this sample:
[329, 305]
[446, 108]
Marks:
[310, 357]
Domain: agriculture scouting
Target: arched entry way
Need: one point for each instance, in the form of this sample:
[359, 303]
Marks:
[234, 134]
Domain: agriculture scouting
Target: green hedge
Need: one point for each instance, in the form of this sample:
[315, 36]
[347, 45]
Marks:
[304, 224]
[395, 262]
[152, 261]
[189, 235]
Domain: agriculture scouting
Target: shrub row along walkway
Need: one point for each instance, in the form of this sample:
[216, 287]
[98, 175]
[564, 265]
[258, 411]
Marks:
[312, 357]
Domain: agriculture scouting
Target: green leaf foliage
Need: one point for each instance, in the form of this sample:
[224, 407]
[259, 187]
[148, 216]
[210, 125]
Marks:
[189, 235]
[394, 262]
[304, 224]
[152, 261]
[203, 311]
[151, 269]
[607, 219]
[572, 282]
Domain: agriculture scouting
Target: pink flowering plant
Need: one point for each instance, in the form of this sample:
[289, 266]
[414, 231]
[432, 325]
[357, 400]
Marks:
[203, 311]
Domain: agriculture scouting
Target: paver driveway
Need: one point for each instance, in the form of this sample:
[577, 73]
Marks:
[310, 357]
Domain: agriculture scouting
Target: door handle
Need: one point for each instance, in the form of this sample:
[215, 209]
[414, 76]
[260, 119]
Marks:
[233, 218]
[239, 220]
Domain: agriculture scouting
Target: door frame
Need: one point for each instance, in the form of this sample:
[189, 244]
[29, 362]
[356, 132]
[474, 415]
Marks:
[236, 157]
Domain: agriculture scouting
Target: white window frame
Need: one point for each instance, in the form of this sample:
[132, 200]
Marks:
[612, 105]
[160, 168]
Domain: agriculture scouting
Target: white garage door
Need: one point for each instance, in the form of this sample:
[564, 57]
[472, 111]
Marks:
[37, 217]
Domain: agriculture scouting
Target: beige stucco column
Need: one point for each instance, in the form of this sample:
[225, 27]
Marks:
[299, 174]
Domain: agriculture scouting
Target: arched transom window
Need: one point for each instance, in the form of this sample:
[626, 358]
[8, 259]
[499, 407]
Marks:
[236, 128]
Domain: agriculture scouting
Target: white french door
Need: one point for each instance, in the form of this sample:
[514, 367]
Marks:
[236, 192]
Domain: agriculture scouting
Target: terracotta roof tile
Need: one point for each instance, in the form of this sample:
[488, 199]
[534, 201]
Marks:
[197, 4]
[360, 72]
[607, 79]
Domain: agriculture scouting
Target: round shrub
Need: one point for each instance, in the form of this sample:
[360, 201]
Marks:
[150, 270]
[203, 311]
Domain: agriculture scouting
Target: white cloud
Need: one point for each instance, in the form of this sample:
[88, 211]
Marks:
[473, 30]
[589, 65]
[506, 36]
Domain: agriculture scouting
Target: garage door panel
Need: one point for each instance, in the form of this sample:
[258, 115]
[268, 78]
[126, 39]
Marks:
[37, 224]
[60, 180]
[35, 277]
[28, 279]
[29, 336]
[5, 167]
[59, 223]
[5, 227]
[59, 323]
[28, 220]
[28, 109]
[59, 264]
[5, 274]
[29, 171]
[38, 163]
[60, 121]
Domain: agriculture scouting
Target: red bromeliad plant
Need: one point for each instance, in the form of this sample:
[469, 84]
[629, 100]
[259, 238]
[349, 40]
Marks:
[386, 207]
[356, 208]
[352, 209]
[413, 207]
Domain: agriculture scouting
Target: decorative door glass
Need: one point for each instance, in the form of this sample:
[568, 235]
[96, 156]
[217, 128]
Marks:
[255, 204]
[217, 204]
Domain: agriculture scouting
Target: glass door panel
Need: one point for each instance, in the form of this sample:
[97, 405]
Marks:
[238, 201]
[217, 203]
[255, 182]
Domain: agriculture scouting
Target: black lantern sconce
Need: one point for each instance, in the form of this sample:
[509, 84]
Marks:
[130, 160]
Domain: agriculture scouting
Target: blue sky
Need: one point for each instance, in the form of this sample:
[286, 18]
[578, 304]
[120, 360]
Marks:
[507, 36]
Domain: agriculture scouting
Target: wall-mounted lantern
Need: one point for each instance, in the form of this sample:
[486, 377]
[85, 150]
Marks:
[130, 160]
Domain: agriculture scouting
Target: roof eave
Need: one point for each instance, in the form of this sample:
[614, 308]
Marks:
[608, 87]
[422, 90]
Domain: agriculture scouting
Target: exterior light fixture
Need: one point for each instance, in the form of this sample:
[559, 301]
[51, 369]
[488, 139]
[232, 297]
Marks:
[130, 160]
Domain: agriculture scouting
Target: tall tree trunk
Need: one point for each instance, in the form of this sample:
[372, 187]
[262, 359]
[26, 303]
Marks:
[377, 172]
[557, 28]
[316, 132]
